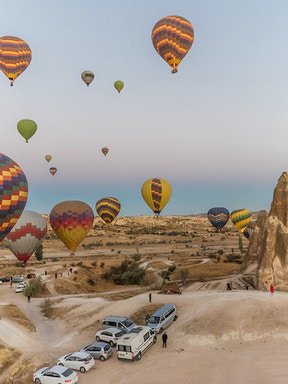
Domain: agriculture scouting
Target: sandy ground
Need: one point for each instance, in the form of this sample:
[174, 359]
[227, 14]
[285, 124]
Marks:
[220, 337]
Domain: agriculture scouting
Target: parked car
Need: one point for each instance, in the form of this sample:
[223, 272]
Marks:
[22, 285]
[120, 322]
[5, 279]
[55, 375]
[109, 335]
[18, 279]
[162, 318]
[81, 361]
[19, 289]
[98, 350]
[133, 344]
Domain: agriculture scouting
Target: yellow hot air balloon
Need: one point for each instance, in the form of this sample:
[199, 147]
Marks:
[156, 194]
[241, 218]
[108, 208]
[15, 56]
[71, 221]
[172, 38]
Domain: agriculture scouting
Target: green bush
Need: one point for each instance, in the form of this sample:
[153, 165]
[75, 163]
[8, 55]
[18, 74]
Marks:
[46, 308]
[128, 272]
[34, 288]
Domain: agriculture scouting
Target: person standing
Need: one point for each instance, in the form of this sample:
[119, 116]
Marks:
[150, 297]
[272, 289]
[164, 340]
[29, 298]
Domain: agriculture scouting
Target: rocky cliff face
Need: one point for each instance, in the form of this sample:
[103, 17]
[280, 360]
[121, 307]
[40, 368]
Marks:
[267, 254]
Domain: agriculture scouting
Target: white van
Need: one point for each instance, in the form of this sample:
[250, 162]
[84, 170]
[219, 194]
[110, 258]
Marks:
[132, 345]
[162, 318]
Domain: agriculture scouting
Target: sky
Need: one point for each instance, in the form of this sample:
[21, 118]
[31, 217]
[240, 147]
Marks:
[216, 130]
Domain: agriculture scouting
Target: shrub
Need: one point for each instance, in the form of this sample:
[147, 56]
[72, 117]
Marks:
[46, 308]
[128, 272]
[34, 288]
[136, 257]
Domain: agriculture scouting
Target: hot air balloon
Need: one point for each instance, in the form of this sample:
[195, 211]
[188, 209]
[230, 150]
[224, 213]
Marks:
[108, 208]
[15, 56]
[27, 235]
[13, 194]
[71, 221]
[48, 158]
[119, 85]
[26, 128]
[218, 217]
[87, 77]
[156, 194]
[241, 218]
[53, 170]
[172, 38]
[105, 150]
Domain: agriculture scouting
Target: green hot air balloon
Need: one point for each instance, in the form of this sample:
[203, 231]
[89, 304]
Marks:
[119, 85]
[26, 128]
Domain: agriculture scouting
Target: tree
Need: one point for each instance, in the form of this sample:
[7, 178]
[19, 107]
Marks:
[39, 252]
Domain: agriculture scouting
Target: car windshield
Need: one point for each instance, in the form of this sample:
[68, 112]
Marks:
[67, 373]
[119, 334]
[128, 323]
[107, 347]
[154, 320]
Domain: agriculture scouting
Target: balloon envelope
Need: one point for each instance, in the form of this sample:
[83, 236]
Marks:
[172, 38]
[105, 150]
[26, 128]
[87, 77]
[156, 194]
[108, 208]
[71, 221]
[13, 194]
[218, 217]
[119, 85]
[241, 218]
[53, 170]
[27, 235]
[48, 158]
[15, 56]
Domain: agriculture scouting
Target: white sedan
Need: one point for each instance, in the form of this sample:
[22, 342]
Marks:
[55, 375]
[19, 289]
[80, 361]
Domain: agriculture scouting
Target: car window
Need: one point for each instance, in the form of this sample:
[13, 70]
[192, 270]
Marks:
[154, 319]
[97, 349]
[124, 348]
[106, 333]
[118, 334]
[107, 347]
[128, 323]
[67, 373]
[146, 336]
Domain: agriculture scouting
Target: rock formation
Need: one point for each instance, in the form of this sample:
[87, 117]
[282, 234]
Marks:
[267, 254]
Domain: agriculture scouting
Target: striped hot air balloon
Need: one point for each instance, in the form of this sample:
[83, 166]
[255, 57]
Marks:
[241, 218]
[27, 235]
[172, 38]
[218, 217]
[71, 221]
[156, 194]
[13, 194]
[108, 208]
[15, 56]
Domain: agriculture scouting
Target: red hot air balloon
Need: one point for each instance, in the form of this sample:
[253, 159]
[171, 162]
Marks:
[27, 235]
[13, 194]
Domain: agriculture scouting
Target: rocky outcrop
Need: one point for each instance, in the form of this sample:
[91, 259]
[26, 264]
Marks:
[267, 254]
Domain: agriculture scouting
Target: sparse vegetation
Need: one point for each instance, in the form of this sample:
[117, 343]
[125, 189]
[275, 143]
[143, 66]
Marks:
[128, 272]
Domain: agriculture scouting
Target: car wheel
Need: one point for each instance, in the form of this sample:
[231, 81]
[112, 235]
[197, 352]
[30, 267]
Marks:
[82, 369]
[161, 330]
[102, 358]
[175, 317]
[37, 381]
[138, 357]
[111, 343]
[97, 338]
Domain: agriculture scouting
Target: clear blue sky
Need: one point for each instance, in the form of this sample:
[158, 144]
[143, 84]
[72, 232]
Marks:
[217, 130]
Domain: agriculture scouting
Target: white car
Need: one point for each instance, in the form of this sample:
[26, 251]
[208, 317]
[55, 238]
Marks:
[21, 285]
[81, 361]
[19, 289]
[109, 335]
[55, 375]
